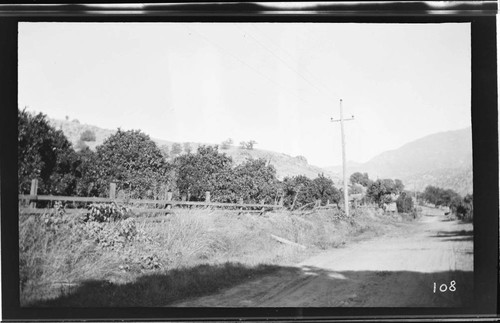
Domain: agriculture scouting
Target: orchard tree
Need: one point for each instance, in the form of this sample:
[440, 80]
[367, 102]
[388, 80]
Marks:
[298, 191]
[206, 170]
[324, 190]
[44, 153]
[256, 181]
[131, 160]
[87, 173]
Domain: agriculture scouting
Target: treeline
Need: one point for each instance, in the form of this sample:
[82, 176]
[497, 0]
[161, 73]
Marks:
[461, 206]
[381, 192]
[141, 169]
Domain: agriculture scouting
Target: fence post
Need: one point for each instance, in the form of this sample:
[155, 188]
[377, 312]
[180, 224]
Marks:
[112, 191]
[207, 196]
[169, 198]
[33, 191]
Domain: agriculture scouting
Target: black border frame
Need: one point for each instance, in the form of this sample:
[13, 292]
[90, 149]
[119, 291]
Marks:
[485, 162]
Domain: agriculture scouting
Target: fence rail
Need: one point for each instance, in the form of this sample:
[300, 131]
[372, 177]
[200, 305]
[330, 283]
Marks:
[32, 198]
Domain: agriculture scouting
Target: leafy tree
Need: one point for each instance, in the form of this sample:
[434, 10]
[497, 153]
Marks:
[87, 135]
[256, 181]
[360, 178]
[432, 194]
[131, 160]
[247, 144]
[176, 149]
[324, 190]
[87, 173]
[226, 143]
[298, 191]
[206, 170]
[390, 186]
[376, 192]
[250, 144]
[44, 153]
[439, 196]
[404, 203]
[398, 186]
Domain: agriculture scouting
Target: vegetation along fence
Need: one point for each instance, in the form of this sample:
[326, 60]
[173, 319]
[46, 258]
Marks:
[161, 206]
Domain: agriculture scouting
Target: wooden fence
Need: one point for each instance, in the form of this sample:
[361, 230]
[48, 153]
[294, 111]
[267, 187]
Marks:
[159, 205]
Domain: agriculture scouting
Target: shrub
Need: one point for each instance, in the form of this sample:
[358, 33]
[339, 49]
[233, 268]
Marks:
[53, 220]
[110, 235]
[463, 208]
[150, 262]
[404, 203]
[106, 212]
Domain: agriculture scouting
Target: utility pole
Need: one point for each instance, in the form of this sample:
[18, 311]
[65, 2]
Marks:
[344, 163]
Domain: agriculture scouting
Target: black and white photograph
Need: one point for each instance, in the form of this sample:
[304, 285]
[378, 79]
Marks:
[245, 164]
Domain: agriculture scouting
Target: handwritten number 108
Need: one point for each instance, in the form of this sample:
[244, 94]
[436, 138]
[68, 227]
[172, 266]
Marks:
[443, 287]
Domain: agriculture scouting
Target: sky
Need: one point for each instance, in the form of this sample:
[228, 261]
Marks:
[276, 83]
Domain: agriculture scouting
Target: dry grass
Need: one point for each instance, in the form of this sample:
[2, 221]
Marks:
[186, 254]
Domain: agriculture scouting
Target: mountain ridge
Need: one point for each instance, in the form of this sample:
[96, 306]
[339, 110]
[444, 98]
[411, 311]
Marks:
[442, 159]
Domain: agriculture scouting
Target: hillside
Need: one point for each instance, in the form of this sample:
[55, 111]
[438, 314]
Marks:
[285, 165]
[442, 159]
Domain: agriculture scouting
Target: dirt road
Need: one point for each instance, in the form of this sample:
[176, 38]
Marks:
[394, 270]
